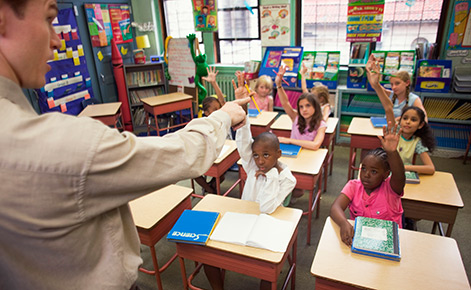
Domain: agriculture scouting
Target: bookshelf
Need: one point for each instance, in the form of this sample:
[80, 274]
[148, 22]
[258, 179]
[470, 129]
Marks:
[143, 81]
[449, 114]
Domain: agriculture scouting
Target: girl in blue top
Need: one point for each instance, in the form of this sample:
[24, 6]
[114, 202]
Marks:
[400, 96]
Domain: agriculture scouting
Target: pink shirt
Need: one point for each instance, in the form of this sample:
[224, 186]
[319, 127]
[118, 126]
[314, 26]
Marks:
[383, 203]
[306, 134]
[263, 103]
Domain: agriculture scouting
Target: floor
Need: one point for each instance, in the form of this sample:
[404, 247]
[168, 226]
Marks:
[172, 279]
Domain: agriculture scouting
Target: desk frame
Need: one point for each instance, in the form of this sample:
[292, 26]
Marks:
[150, 237]
[169, 107]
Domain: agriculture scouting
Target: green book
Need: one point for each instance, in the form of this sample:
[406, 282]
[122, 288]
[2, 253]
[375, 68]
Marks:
[412, 177]
[376, 238]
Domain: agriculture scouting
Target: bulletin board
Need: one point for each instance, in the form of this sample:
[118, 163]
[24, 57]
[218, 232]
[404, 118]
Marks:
[107, 21]
[274, 25]
[68, 82]
[181, 66]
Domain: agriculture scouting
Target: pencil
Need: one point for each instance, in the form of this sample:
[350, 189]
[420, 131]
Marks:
[253, 99]
[282, 78]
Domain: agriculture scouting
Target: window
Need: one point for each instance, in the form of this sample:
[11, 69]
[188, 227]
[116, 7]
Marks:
[239, 33]
[179, 20]
[323, 25]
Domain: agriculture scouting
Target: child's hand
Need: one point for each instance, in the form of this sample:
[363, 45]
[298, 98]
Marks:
[258, 173]
[240, 91]
[212, 73]
[346, 233]
[284, 140]
[279, 75]
[303, 70]
[372, 70]
[390, 138]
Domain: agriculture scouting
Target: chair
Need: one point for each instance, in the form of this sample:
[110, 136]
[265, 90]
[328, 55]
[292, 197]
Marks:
[89, 101]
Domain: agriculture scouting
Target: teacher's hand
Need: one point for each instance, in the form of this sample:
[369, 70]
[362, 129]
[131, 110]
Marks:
[236, 112]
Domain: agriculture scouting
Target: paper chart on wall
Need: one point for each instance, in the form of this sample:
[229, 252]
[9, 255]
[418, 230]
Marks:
[181, 66]
[275, 25]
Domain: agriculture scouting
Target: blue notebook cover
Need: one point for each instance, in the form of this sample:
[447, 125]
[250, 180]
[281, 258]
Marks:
[193, 227]
[289, 150]
[253, 113]
[376, 238]
[378, 122]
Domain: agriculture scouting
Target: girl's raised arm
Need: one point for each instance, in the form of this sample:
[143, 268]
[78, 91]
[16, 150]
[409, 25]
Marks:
[372, 73]
[292, 113]
[389, 141]
[303, 78]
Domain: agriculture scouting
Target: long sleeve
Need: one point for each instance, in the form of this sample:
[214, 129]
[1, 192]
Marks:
[276, 188]
[244, 146]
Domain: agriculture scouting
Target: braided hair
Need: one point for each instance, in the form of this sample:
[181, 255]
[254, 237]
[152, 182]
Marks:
[425, 133]
[316, 118]
[381, 155]
[405, 77]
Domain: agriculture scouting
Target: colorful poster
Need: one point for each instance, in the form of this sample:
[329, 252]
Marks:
[107, 21]
[205, 15]
[275, 25]
[365, 20]
[459, 34]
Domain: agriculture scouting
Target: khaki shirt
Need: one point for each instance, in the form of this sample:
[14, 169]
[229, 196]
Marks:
[65, 184]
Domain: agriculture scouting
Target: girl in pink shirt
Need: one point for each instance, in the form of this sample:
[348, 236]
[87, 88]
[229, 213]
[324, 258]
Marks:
[263, 89]
[375, 194]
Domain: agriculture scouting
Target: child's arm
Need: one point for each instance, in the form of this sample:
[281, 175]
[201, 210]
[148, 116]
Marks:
[211, 78]
[303, 78]
[282, 94]
[244, 142]
[278, 185]
[337, 213]
[372, 73]
[270, 103]
[426, 168]
[326, 113]
[312, 145]
[389, 141]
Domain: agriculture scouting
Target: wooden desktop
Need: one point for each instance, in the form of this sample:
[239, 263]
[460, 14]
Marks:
[254, 262]
[108, 113]
[262, 122]
[428, 262]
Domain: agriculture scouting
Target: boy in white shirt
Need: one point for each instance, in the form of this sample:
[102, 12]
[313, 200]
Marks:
[269, 181]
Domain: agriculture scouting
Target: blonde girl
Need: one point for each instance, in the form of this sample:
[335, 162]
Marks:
[263, 89]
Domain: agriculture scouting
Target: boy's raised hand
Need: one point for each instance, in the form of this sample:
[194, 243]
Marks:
[212, 73]
[390, 138]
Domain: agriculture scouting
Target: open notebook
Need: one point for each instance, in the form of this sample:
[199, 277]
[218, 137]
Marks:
[260, 231]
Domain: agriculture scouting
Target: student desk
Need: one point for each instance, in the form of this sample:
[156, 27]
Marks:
[108, 113]
[168, 103]
[262, 122]
[229, 156]
[306, 168]
[254, 262]
[282, 128]
[435, 198]
[363, 136]
[154, 215]
[428, 262]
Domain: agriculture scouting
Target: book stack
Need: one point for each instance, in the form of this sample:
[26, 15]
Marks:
[376, 238]
[412, 177]
[378, 122]
[289, 150]
[462, 80]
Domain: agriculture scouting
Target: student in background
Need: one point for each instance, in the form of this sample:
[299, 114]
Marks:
[308, 129]
[66, 181]
[263, 89]
[417, 137]
[375, 194]
[400, 96]
[269, 181]
[321, 93]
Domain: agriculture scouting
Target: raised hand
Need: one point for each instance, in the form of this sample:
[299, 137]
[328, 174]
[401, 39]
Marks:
[212, 73]
[390, 138]
[240, 90]
[303, 70]
[372, 70]
[279, 75]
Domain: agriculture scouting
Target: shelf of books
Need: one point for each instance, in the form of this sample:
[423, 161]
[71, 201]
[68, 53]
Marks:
[322, 67]
[143, 81]
[392, 61]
